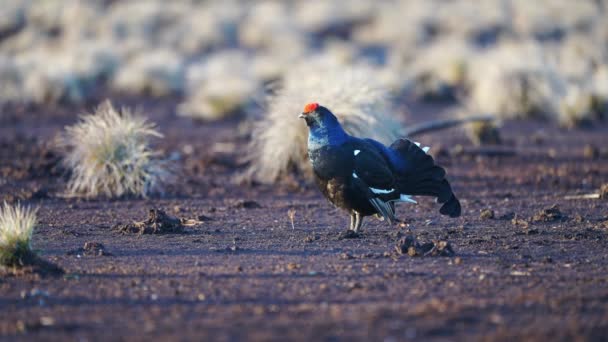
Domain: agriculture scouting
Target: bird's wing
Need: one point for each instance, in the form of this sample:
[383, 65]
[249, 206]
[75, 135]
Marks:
[373, 169]
[374, 178]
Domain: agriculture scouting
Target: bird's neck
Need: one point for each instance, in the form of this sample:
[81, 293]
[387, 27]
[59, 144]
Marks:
[324, 135]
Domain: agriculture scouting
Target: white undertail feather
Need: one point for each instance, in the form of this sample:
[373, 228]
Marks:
[357, 152]
[406, 198]
[381, 191]
[425, 148]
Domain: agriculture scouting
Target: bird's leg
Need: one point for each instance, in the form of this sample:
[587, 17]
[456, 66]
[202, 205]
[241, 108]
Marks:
[352, 221]
[355, 224]
[358, 222]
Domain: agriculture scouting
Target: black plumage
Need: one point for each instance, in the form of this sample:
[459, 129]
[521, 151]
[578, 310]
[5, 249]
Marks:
[365, 177]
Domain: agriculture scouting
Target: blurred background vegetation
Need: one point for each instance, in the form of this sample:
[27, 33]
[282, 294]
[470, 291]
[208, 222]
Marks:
[511, 59]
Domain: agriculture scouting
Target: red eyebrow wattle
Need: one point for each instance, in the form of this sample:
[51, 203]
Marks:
[311, 107]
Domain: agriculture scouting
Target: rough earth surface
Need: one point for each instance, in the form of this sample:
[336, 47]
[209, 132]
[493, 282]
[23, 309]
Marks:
[267, 262]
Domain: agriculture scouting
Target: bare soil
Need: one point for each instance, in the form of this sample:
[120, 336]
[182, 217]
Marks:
[527, 263]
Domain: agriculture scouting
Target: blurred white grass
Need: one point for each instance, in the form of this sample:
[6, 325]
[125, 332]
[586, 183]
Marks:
[185, 26]
[109, 154]
[545, 19]
[353, 93]
[386, 26]
[12, 17]
[17, 224]
[515, 81]
[158, 72]
[577, 106]
[520, 80]
[481, 132]
[54, 51]
[470, 22]
[441, 69]
[321, 15]
[219, 86]
[267, 25]
[600, 87]
[55, 73]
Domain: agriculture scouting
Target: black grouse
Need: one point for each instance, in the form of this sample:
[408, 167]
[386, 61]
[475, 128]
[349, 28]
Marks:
[365, 177]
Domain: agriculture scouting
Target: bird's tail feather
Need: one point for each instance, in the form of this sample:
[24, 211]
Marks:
[451, 207]
[384, 209]
[426, 178]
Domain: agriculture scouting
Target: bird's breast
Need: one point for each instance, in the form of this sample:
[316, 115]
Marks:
[331, 162]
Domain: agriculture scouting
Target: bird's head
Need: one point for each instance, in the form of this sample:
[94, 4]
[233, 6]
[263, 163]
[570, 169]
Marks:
[323, 126]
[316, 115]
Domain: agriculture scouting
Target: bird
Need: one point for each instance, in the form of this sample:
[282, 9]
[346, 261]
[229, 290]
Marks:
[365, 177]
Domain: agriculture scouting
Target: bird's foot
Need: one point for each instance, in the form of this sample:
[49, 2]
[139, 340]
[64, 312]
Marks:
[349, 234]
[401, 224]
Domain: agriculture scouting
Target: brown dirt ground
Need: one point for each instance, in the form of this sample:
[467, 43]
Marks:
[245, 273]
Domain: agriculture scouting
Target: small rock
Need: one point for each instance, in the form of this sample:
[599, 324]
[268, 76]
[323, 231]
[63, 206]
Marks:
[404, 245]
[591, 152]
[246, 204]
[91, 248]
[158, 222]
[531, 231]
[516, 221]
[604, 191]
[353, 285]
[538, 138]
[441, 248]
[349, 234]
[204, 218]
[457, 150]
[487, 214]
[548, 215]
[311, 238]
[507, 216]
[47, 321]
[408, 245]
[346, 256]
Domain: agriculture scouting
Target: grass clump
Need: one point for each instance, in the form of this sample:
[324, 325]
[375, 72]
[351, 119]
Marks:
[16, 227]
[109, 154]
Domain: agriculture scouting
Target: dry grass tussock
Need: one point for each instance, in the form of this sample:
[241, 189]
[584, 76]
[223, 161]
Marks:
[17, 224]
[109, 154]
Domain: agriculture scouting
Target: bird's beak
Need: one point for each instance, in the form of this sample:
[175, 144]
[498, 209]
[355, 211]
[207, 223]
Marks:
[302, 115]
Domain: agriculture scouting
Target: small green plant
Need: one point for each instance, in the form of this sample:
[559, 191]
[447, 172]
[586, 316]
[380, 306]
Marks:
[108, 154]
[16, 226]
